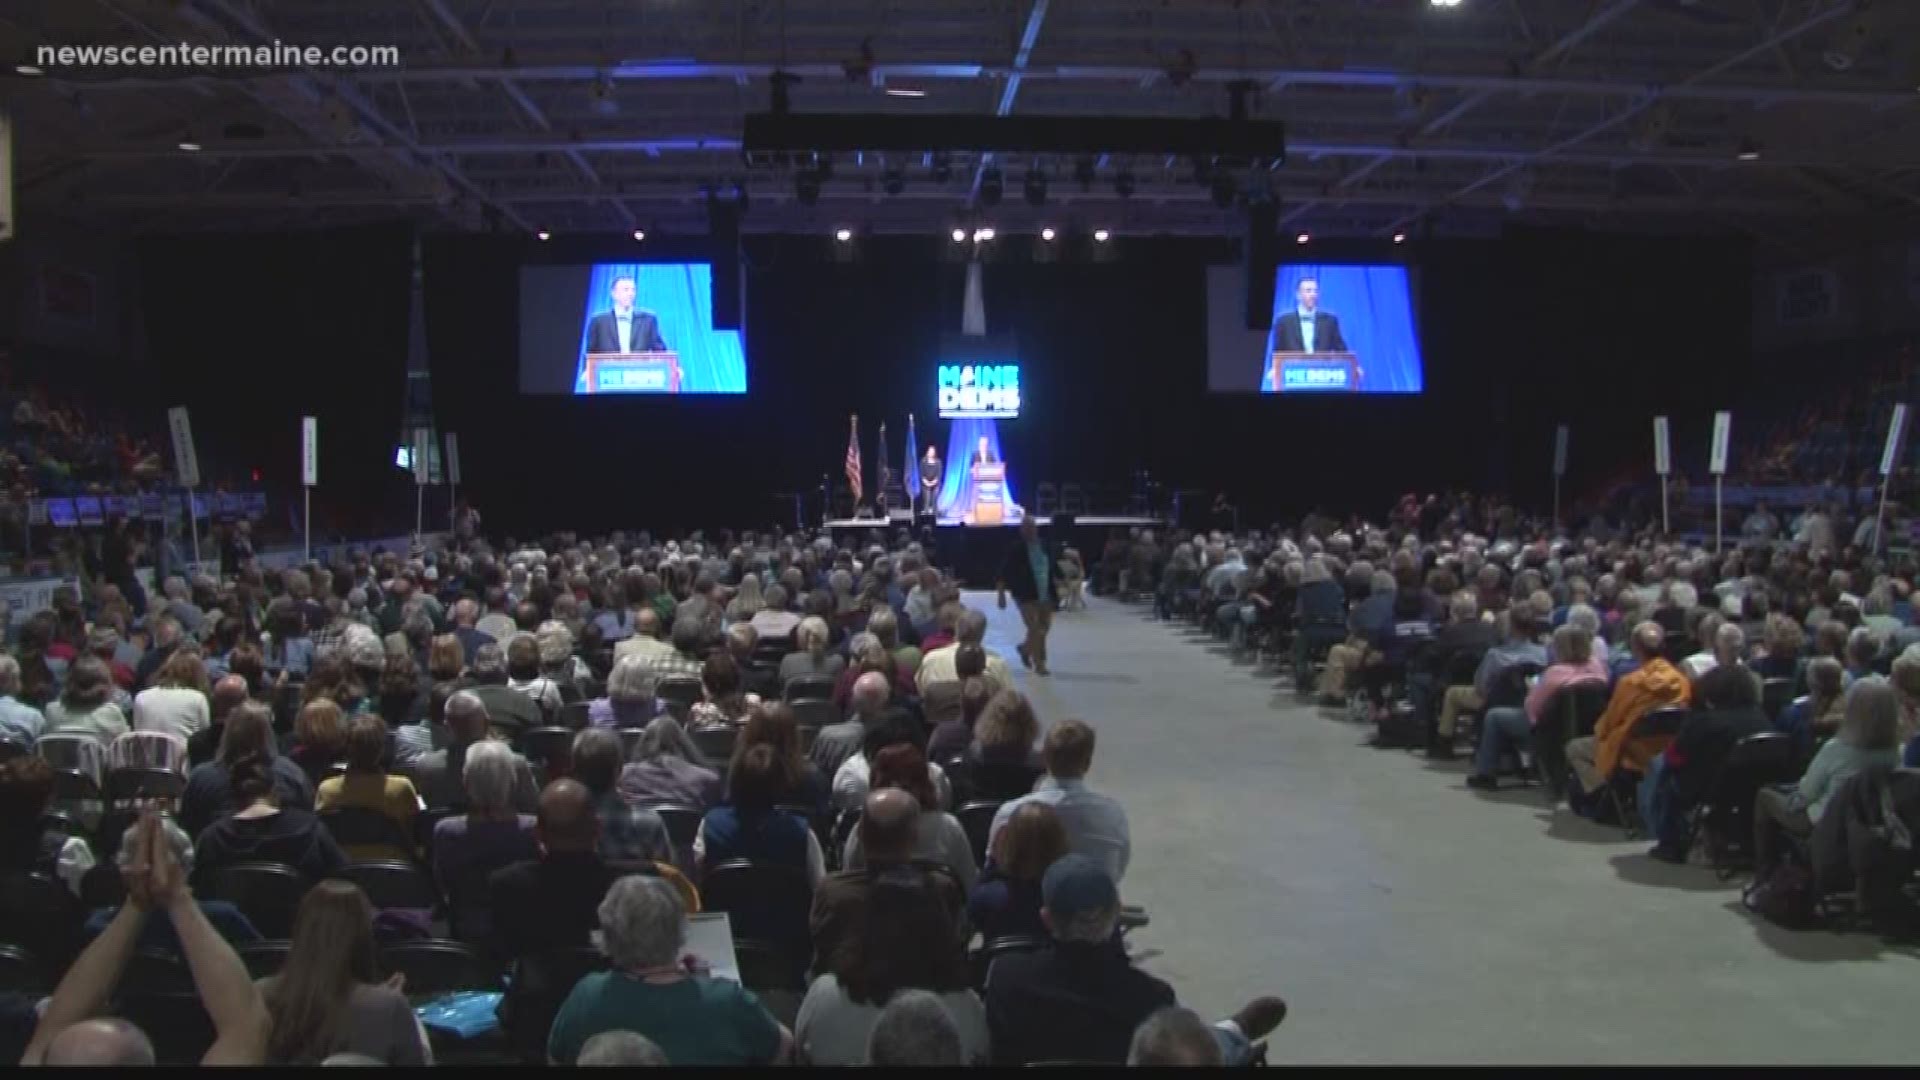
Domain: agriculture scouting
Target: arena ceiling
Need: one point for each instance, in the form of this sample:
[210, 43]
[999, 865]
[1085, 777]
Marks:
[1793, 120]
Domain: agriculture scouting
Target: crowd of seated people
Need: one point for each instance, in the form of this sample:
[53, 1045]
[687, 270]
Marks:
[537, 763]
[1717, 701]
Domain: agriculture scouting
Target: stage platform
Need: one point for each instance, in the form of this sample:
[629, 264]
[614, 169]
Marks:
[972, 553]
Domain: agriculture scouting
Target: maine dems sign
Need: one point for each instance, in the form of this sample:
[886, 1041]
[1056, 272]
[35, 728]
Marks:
[979, 391]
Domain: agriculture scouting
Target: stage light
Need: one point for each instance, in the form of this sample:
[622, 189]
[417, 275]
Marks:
[959, 236]
[906, 92]
[543, 235]
[1399, 238]
[28, 69]
[1123, 184]
[942, 168]
[1749, 150]
[845, 236]
[189, 143]
[806, 186]
[991, 187]
[639, 234]
[1101, 236]
[1446, 3]
[1302, 238]
[982, 236]
[1047, 233]
[1034, 187]
[893, 181]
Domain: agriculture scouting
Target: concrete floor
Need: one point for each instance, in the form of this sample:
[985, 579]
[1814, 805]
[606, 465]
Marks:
[1406, 918]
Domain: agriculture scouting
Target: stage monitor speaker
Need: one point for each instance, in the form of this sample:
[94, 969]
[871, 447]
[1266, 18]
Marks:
[723, 227]
[1260, 255]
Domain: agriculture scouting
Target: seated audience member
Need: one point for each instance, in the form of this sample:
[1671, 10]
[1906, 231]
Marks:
[85, 705]
[510, 713]
[446, 660]
[750, 823]
[158, 935]
[1320, 617]
[1096, 825]
[1905, 677]
[889, 831]
[437, 773]
[939, 837]
[1174, 1037]
[319, 738]
[851, 781]
[229, 693]
[1002, 762]
[1080, 999]
[939, 632]
[646, 640]
[1729, 663]
[19, 721]
[330, 998]
[526, 676]
[1005, 902]
[943, 702]
[399, 699]
[690, 636]
[810, 655]
[915, 1031]
[1371, 620]
[692, 1017]
[884, 625]
[210, 789]
[26, 844]
[1814, 718]
[952, 737]
[835, 743]
[940, 665]
[775, 621]
[104, 642]
[366, 785]
[910, 948]
[558, 664]
[550, 902]
[1705, 630]
[1726, 710]
[69, 1034]
[1462, 643]
[629, 702]
[1505, 729]
[1655, 684]
[1520, 647]
[865, 653]
[773, 725]
[467, 848]
[617, 1048]
[262, 830]
[631, 836]
[1863, 649]
[1783, 642]
[727, 702]
[1868, 738]
[176, 703]
[666, 767]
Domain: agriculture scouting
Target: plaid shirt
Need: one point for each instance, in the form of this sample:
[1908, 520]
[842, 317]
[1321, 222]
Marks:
[631, 834]
[664, 664]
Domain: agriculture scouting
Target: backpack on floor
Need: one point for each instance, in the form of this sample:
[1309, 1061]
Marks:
[1784, 897]
[1400, 728]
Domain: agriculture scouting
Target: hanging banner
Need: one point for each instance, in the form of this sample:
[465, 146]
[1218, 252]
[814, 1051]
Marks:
[1722, 434]
[1662, 447]
[1560, 451]
[186, 465]
[453, 458]
[1890, 457]
[309, 451]
[422, 443]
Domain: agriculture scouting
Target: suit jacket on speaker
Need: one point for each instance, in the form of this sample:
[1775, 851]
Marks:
[1326, 333]
[603, 333]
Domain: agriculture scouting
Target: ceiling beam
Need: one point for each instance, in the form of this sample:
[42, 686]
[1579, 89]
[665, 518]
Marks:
[1030, 33]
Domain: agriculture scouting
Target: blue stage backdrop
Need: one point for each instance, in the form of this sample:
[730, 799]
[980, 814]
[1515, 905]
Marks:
[681, 296]
[956, 488]
[1375, 307]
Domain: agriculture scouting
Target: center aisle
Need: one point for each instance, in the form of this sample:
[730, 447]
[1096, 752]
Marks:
[1404, 918]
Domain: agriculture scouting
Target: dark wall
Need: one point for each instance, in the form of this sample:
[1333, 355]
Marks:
[253, 332]
[1520, 334]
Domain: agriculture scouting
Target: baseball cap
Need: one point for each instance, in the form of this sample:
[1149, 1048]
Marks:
[1075, 885]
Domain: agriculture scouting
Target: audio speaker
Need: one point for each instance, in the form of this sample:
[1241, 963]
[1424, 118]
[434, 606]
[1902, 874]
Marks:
[1260, 257]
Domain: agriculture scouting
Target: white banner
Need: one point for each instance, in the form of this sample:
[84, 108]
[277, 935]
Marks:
[1890, 457]
[186, 465]
[1722, 434]
[422, 443]
[309, 451]
[453, 458]
[1560, 451]
[23, 598]
[1662, 447]
[7, 229]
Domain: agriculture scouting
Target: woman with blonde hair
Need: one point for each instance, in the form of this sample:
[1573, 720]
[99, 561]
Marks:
[329, 997]
[176, 703]
[810, 656]
[1001, 763]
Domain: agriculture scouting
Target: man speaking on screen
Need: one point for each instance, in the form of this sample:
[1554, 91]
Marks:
[624, 328]
[1306, 328]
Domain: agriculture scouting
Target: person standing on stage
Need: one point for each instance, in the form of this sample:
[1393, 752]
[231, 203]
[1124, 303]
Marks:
[1029, 572]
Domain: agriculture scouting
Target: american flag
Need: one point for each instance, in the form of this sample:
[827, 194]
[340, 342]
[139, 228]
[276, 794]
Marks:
[853, 460]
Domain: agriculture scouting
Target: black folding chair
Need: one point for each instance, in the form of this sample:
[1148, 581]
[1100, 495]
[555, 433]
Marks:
[683, 825]
[977, 819]
[541, 982]
[981, 959]
[814, 713]
[438, 966]
[1650, 735]
[267, 893]
[365, 827]
[1569, 714]
[766, 966]
[264, 959]
[574, 715]
[681, 693]
[39, 914]
[157, 994]
[1775, 696]
[763, 901]
[1725, 816]
[393, 884]
[548, 749]
[808, 688]
[21, 972]
[715, 743]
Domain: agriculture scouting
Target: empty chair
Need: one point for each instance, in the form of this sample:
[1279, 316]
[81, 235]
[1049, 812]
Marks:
[438, 966]
[808, 688]
[982, 958]
[268, 894]
[812, 714]
[71, 750]
[681, 693]
[148, 750]
[393, 884]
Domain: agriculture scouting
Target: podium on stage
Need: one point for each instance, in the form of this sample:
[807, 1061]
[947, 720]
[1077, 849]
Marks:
[656, 372]
[1312, 371]
[989, 493]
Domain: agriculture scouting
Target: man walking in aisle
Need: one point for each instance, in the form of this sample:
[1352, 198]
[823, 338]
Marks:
[1029, 572]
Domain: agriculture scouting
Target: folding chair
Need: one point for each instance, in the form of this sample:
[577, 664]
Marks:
[681, 693]
[390, 883]
[1775, 696]
[1650, 735]
[575, 716]
[264, 959]
[767, 902]
[977, 819]
[1571, 713]
[715, 743]
[439, 966]
[814, 713]
[1725, 816]
[808, 688]
[268, 894]
[980, 960]
[548, 749]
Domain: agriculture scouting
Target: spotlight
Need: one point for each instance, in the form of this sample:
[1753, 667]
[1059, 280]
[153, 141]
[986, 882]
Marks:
[806, 186]
[1047, 233]
[1302, 238]
[189, 143]
[893, 181]
[991, 187]
[28, 69]
[1749, 150]
[1399, 238]
[1034, 187]
[983, 235]
[1446, 3]
[906, 92]
[1101, 236]
[845, 236]
[1123, 184]
[544, 235]
[639, 234]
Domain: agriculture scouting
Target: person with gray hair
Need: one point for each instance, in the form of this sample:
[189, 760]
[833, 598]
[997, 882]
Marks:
[914, 1031]
[621, 1048]
[1175, 1037]
[666, 766]
[811, 657]
[19, 721]
[693, 1018]
[1502, 729]
[439, 775]
[1868, 739]
[939, 665]
[469, 847]
[1081, 999]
